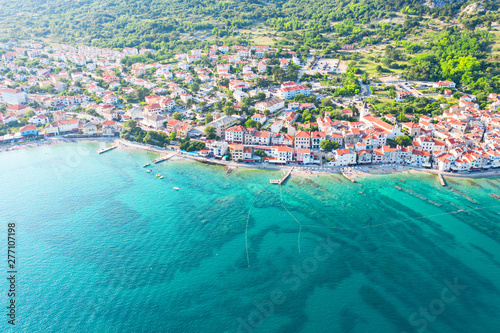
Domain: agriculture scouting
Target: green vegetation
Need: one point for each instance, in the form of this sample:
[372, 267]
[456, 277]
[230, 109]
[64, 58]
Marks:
[210, 132]
[260, 153]
[458, 56]
[191, 145]
[176, 25]
[133, 133]
[403, 140]
[412, 106]
[177, 115]
[328, 145]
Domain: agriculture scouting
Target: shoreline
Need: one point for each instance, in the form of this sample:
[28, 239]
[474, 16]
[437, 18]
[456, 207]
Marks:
[357, 172]
[51, 142]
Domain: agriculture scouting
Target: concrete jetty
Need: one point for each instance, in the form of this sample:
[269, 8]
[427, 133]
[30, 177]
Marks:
[281, 180]
[103, 150]
[163, 158]
[347, 176]
[441, 179]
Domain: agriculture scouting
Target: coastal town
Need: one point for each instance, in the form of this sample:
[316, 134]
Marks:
[247, 104]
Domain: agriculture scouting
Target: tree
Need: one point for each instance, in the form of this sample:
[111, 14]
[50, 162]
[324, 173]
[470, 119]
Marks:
[464, 69]
[250, 123]
[228, 110]
[328, 145]
[392, 92]
[423, 67]
[29, 114]
[403, 140]
[210, 132]
[142, 93]
[209, 118]
[246, 101]
[194, 87]
[172, 136]
[260, 153]
[177, 115]
[326, 102]
[148, 138]
[130, 123]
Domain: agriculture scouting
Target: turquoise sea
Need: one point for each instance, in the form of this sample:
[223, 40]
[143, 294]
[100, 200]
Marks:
[102, 246]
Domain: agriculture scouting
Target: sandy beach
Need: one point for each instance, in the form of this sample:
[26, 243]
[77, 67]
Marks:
[51, 141]
[356, 172]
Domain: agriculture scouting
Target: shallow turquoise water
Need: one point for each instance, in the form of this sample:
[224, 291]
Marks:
[105, 247]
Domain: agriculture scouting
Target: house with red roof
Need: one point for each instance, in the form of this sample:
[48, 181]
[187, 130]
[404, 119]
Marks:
[292, 91]
[281, 139]
[364, 156]
[155, 121]
[13, 96]
[444, 84]
[260, 118]
[273, 105]
[183, 129]
[235, 134]
[420, 158]
[28, 130]
[385, 128]
[18, 110]
[347, 113]
[108, 128]
[401, 96]
[261, 138]
[344, 157]
[152, 109]
[67, 125]
[172, 124]
[316, 138]
[282, 154]
[385, 154]
[51, 129]
[413, 129]
[38, 120]
[302, 140]
[444, 161]
[303, 156]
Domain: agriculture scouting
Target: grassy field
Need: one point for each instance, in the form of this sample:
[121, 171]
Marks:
[260, 35]
[495, 48]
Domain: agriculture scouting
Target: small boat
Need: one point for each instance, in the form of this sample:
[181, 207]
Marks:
[460, 210]
[161, 177]
[176, 188]
[145, 165]
[158, 175]
[149, 170]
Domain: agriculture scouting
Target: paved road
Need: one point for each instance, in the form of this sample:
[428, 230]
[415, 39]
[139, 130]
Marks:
[365, 89]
